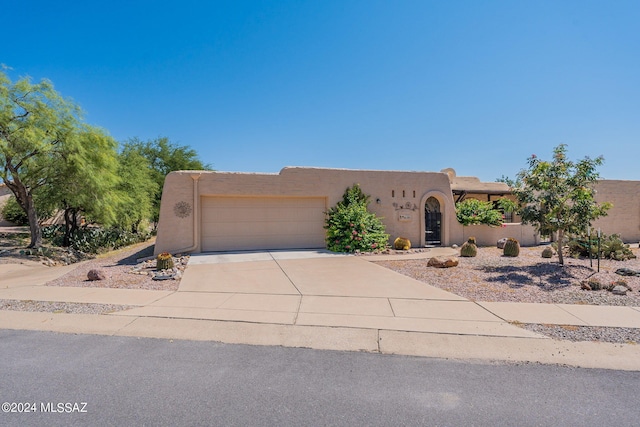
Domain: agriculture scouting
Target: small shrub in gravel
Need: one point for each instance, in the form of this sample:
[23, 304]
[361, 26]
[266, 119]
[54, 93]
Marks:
[547, 252]
[591, 284]
[622, 283]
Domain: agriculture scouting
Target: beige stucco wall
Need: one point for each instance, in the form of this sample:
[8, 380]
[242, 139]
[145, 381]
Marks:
[624, 217]
[489, 236]
[401, 198]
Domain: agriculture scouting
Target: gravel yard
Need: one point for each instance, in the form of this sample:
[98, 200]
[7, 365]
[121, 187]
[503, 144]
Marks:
[527, 278]
[61, 307]
[530, 278]
[118, 267]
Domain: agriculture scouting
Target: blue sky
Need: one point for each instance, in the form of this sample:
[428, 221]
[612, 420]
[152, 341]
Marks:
[394, 85]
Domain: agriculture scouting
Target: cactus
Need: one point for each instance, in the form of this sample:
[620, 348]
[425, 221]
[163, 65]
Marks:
[402, 244]
[511, 248]
[164, 261]
[469, 248]
[547, 252]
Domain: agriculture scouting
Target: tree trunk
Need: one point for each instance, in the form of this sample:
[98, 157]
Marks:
[25, 200]
[70, 225]
[560, 243]
[34, 225]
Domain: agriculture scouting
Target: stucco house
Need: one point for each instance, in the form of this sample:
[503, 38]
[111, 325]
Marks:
[220, 211]
[203, 211]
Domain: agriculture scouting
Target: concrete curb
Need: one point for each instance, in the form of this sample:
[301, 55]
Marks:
[447, 346]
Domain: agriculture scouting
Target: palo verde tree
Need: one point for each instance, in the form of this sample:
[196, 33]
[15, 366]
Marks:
[557, 196]
[86, 183]
[37, 129]
[136, 190]
[164, 157]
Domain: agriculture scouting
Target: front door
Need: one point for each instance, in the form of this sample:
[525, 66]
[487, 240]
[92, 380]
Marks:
[432, 222]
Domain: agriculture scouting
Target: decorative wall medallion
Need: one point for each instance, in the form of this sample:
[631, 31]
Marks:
[182, 209]
[407, 206]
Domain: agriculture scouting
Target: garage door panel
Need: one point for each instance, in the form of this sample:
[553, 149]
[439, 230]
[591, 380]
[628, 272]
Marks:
[244, 223]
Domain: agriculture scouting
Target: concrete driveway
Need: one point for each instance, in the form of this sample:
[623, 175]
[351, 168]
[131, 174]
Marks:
[319, 288]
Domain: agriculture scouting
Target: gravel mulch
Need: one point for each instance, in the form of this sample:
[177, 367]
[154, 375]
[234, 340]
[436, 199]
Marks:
[527, 278]
[530, 278]
[118, 267]
[586, 333]
[61, 307]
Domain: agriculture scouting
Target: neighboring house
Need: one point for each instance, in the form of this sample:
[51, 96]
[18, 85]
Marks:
[5, 193]
[205, 211]
[624, 217]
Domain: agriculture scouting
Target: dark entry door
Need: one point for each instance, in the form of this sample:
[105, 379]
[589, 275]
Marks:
[432, 222]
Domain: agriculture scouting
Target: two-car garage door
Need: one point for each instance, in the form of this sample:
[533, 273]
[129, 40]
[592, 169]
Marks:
[246, 223]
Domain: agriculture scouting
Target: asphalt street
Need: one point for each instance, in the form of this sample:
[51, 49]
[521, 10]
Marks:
[65, 379]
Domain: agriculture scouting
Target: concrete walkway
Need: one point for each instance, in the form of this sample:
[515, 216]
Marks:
[322, 300]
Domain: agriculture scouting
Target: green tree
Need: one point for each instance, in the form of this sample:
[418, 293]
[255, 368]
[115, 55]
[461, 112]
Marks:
[86, 183]
[164, 157]
[351, 227]
[37, 128]
[136, 189]
[557, 196]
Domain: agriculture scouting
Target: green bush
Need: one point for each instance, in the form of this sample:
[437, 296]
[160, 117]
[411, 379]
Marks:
[94, 239]
[611, 246]
[12, 212]
[351, 227]
[473, 211]
[547, 252]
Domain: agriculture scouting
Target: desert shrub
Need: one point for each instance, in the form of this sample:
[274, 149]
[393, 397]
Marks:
[592, 284]
[351, 227]
[611, 246]
[12, 212]
[94, 239]
[547, 252]
[402, 244]
[511, 248]
[618, 282]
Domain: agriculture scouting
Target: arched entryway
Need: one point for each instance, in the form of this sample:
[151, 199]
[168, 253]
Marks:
[432, 222]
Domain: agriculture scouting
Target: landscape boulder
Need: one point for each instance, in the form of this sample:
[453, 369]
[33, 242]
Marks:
[619, 290]
[443, 262]
[96, 274]
[502, 242]
[627, 272]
